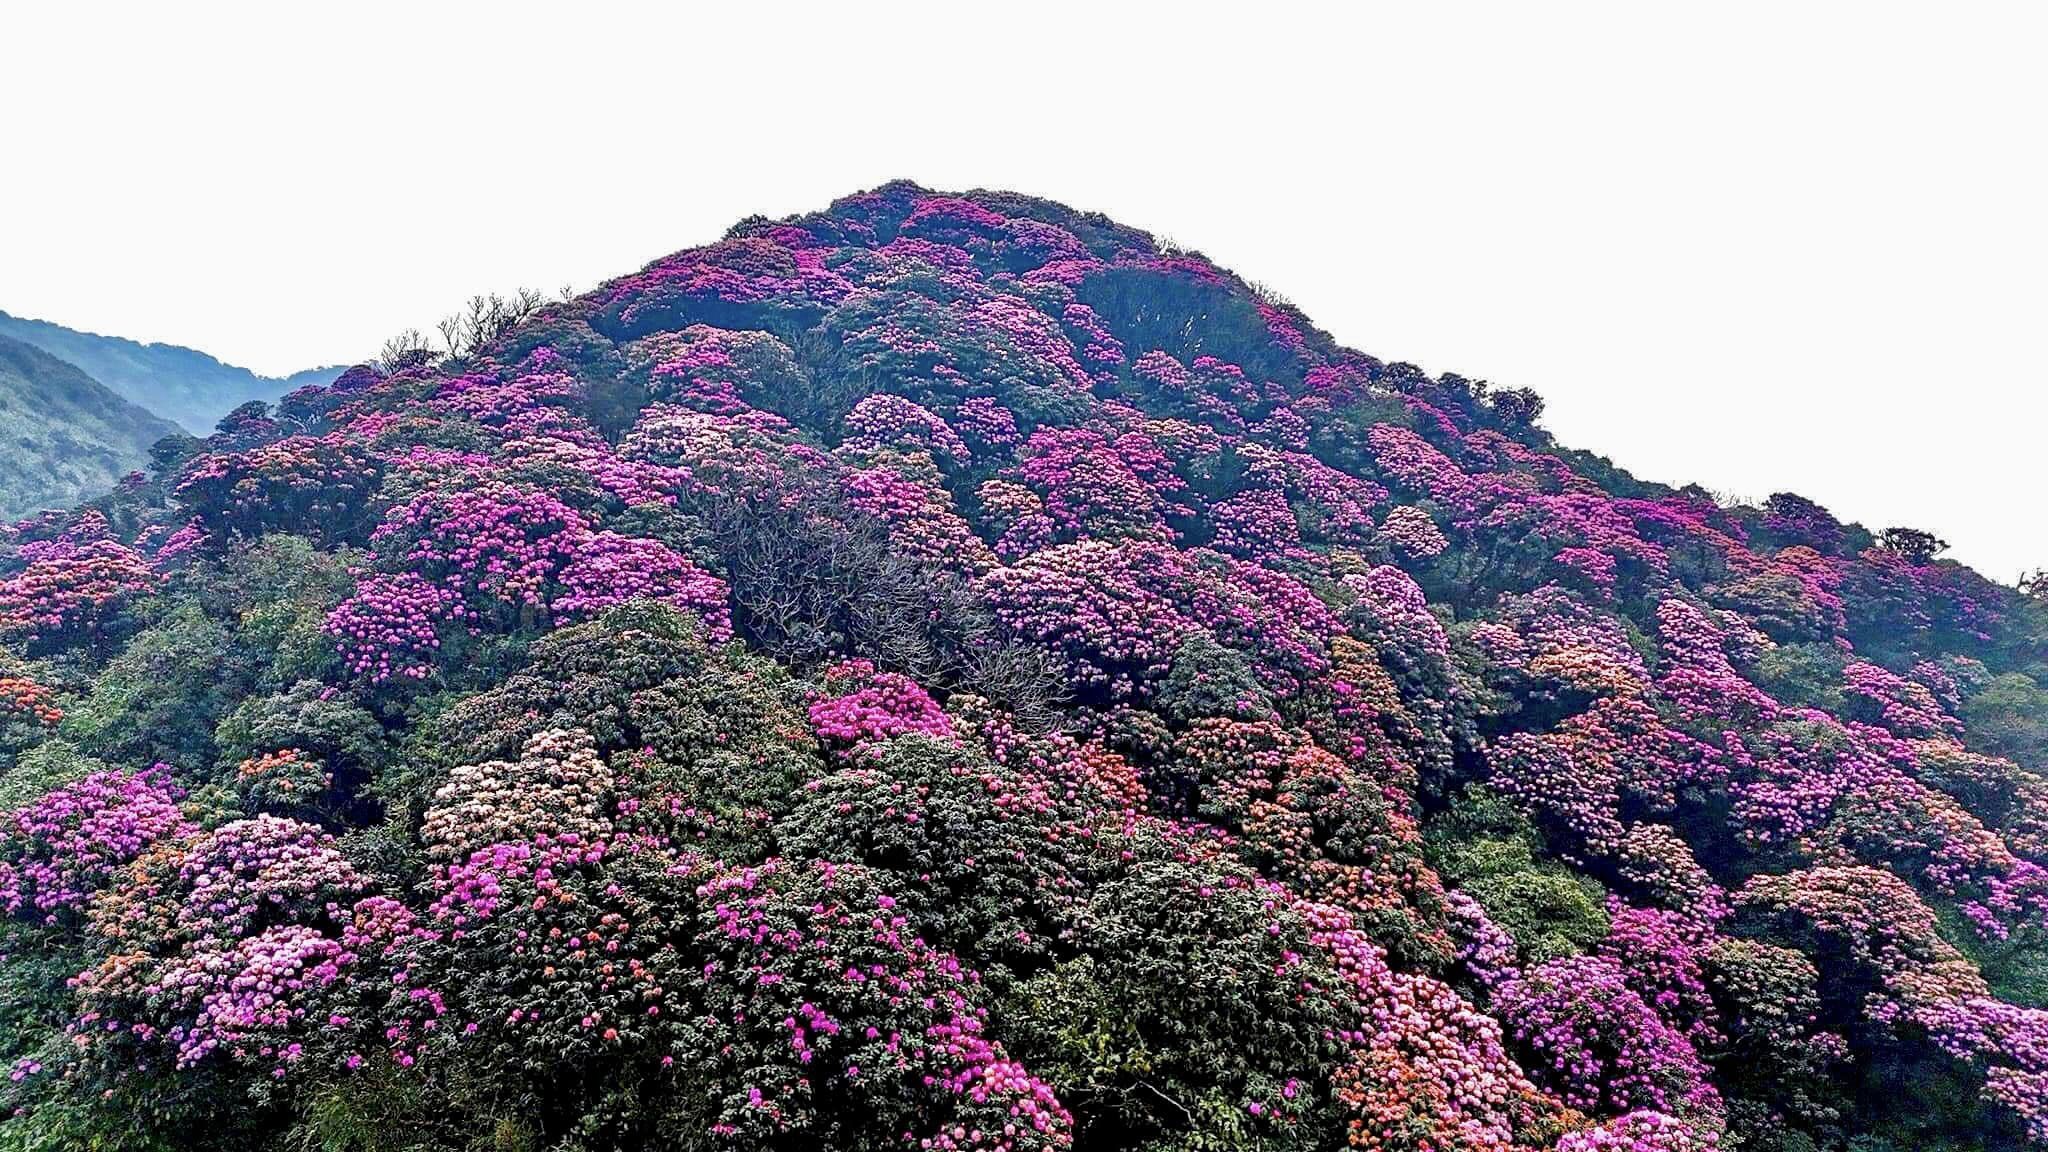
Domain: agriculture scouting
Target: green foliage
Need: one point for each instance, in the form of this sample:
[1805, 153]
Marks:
[1208, 680]
[1802, 674]
[710, 745]
[1945, 1114]
[161, 698]
[1482, 846]
[979, 866]
[276, 591]
[250, 622]
[48, 765]
[387, 1111]
[2016, 967]
[2009, 717]
[1773, 1059]
[312, 718]
[1178, 1010]
[583, 677]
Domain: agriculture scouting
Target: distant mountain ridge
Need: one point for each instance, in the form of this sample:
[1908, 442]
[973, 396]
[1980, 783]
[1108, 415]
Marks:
[180, 384]
[64, 437]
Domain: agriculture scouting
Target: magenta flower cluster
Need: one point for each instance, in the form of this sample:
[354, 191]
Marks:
[75, 839]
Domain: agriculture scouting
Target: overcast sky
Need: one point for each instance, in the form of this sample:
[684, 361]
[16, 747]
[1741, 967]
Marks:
[1763, 247]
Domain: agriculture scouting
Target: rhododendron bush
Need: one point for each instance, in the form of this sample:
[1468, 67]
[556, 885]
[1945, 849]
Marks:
[950, 672]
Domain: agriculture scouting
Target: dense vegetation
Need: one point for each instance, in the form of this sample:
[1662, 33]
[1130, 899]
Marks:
[182, 385]
[66, 437]
[949, 672]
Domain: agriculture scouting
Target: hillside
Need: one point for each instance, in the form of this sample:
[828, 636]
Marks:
[950, 672]
[64, 437]
[180, 384]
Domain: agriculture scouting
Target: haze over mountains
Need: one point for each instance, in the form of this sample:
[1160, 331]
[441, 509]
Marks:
[183, 385]
[64, 437]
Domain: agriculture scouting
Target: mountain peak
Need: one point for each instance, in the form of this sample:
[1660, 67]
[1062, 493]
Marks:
[957, 672]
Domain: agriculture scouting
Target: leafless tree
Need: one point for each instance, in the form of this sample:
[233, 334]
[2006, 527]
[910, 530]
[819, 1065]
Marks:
[452, 332]
[1268, 295]
[2034, 585]
[405, 350]
[485, 318]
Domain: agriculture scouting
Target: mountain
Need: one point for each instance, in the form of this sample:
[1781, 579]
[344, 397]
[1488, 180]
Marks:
[180, 384]
[953, 672]
[64, 437]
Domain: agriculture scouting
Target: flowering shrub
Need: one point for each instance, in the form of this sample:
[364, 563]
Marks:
[495, 543]
[891, 421]
[818, 998]
[226, 884]
[920, 519]
[870, 705]
[534, 950]
[392, 625]
[1412, 534]
[316, 486]
[257, 1001]
[71, 591]
[74, 839]
[1114, 615]
[1645, 1131]
[497, 559]
[557, 786]
[610, 569]
[717, 370]
[23, 701]
[1598, 1043]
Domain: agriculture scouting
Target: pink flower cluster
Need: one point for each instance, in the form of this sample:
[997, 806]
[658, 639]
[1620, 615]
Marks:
[501, 557]
[71, 841]
[867, 704]
[71, 588]
[1592, 1038]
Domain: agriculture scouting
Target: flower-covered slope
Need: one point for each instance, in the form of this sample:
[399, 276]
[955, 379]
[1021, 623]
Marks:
[952, 673]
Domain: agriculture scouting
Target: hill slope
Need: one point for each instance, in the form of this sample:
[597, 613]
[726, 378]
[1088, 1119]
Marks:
[180, 384]
[64, 437]
[947, 672]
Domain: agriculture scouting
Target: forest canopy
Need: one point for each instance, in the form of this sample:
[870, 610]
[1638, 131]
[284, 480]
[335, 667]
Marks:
[954, 672]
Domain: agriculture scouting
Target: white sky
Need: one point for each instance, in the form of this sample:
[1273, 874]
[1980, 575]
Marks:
[1760, 246]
